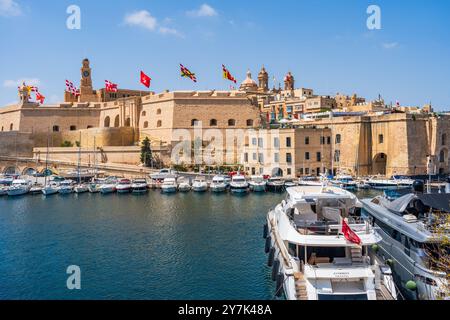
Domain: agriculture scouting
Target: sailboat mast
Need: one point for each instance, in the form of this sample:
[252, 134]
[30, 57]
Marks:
[79, 160]
[46, 158]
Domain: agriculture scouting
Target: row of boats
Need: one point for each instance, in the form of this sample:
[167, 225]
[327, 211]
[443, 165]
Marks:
[323, 243]
[20, 187]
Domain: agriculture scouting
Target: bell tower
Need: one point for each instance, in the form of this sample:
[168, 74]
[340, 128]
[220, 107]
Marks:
[87, 93]
[263, 79]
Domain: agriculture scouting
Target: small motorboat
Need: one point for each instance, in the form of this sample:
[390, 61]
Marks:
[275, 184]
[239, 184]
[169, 185]
[19, 187]
[345, 182]
[66, 187]
[289, 183]
[36, 189]
[139, 186]
[311, 181]
[183, 185]
[124, 186]
[218, 184]
[257, 184]
[109, 186]
[200, 185]
[3, 190]
[50, 189]
[81, 188]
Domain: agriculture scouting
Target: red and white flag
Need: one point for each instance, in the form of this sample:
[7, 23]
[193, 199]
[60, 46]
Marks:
[349, 234]
[110, 87]
[72, 89]
[145, 79]
[39, 97]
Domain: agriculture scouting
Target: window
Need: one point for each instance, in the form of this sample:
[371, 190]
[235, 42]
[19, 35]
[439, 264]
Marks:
[261, 158]
[2, 128]
[231, 123]
[306, 140]
[442, 156]
[254, 141]
[322, 140]
[73, 128]
[158, 111]
[159, 124]
[89, 127]
[380, 138]
[260, 142]
[117, 121]
[289, 171]
[444, 139]
[276, 142]
[319, 156]
[276, 157]
[144, 113]
[245, 157]
[255, 157]
[56, 128]
[249, 123]
[337, 155]
[306, 171]
[328, 140]
[306, 155]
[146, 124]
[288, 157]
[106, 122]
[11, 127]
[301, 171]
[213, 123]
[288, 142]
[194, 122]
[338, 139]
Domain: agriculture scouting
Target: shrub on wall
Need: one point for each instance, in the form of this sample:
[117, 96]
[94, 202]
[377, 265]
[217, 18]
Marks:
[67, 144]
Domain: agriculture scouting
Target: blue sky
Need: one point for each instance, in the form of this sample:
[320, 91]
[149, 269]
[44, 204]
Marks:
[325, 43]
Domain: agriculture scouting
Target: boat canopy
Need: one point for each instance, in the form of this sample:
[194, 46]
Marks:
[437, 201]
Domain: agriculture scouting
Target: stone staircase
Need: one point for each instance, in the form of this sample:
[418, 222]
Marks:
[300, 287]
[356, 253]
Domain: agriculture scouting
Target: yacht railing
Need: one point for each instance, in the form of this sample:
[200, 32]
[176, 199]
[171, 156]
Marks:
[331, 228]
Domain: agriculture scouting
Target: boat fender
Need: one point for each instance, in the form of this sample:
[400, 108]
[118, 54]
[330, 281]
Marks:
[375, 248]
[266, 231]
[279, 286]
[411, 285]
[390, 262]
[271, 257]
[275, 268]
[268, 244]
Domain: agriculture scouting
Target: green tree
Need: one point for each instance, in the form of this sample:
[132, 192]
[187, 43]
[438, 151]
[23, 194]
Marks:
[67, 144]
[146, 152]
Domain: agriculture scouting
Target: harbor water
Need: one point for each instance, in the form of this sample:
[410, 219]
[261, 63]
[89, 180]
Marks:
[153, 246]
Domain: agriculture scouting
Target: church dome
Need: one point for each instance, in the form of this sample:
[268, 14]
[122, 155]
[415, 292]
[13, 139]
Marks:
[248, 81]
[248, 84]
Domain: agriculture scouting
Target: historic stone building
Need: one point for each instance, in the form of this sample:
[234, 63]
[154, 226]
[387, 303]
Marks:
[288, 152]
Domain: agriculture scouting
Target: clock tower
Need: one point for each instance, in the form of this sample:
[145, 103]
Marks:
[87, 93]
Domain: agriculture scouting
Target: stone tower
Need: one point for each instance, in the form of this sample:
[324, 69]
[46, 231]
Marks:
[289, 82]
[263, 79]
[87, 93]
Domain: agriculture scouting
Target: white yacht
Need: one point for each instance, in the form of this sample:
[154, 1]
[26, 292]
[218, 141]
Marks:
[81, 188]
[3, 190]
[163, 174]
[393, 183]
[319, 248]
[139, 186]
[184, 185]
[311, 181]
[257, 184]
[239, 184]
[218, 184]
[169, 185]
[50, 189]
[124, 186]
[289, 183]
[345, 182]
[413, 227]
[200, 184]
[275, 184]
[36, 188]
[19, 187]
[109, 186]
[66, 187]
[6, 180]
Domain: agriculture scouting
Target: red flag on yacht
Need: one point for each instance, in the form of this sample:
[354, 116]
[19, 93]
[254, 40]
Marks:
[145, 79]
[349, 234]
